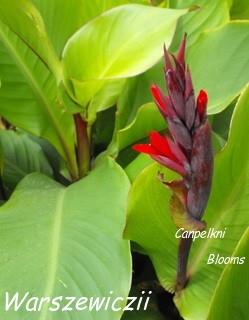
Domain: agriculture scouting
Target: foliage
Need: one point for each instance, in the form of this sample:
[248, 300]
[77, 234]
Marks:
[74, 99]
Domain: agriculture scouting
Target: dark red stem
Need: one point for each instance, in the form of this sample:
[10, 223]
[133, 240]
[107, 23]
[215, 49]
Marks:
[83, 146]
[183, 253]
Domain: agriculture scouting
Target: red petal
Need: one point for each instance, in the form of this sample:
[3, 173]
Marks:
[163, 102]
[176, 150]
[202, 104]
[167, 148]
[145, 148]
[158, 95]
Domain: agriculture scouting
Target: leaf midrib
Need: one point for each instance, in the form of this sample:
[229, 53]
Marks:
[54, 253]
[38, 92]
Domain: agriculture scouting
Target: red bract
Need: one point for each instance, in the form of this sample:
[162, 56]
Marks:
[166, 152]
[190, 151]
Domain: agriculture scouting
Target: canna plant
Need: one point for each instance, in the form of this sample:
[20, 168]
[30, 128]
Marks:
[74, 99]
[190, 155]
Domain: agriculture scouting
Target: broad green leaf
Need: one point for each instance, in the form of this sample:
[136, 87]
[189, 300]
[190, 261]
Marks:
[232, 285]
[21, 156]
[57, 163]
[101, 132]
[135, 35]
[58, 241]
[220, 64]
[150, 225]
[105, 98]
[25, 20]
[136, 166]
[144, 2]
[149, 222]
[94, 8]
[240, 10]
[29, 96]
[230, 3]
[63, 18]
[207, 15]
[218, 143]
[221, 121]
[137, 91]
[148, 118]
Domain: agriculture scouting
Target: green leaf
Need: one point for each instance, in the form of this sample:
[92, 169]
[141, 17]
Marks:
[63, 18]
[58, 241]
[21, 156]
[105, 98]
[148, 118]
[221, 121]
[25, 20]
[233, 286]
[208, 16]
[218, 143]
[101, 133]
[137, 90]
[94, 8]
[230, 3]
[219, 63]
[137, 93]
[29, 96]
[135, 35]
[149, 222]
[136, 166]
[240, 10]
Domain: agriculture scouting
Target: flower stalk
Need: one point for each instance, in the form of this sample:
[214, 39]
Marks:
[83, 146]
[188, 152]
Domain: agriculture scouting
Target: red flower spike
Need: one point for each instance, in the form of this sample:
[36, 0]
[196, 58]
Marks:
[202, 104]
[190, 154]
